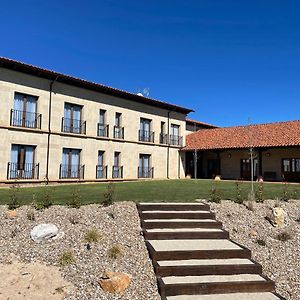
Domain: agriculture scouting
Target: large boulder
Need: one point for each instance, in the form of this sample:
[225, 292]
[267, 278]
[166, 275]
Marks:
[115, 282]
[43, 232]
[279, 217]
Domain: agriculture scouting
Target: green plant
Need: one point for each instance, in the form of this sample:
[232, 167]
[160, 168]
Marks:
[114, 252]
[13, 198]
[75, 200]
[284, 236]
[285, 192]
[239, 197]
[259, 193]
[45, 200]
[261, 242]
[30, 215]
[215, 194]
[67, 258]
[92, 236]
[109, 195]
[74, 219]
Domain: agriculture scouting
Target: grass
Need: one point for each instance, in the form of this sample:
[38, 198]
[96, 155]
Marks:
[92, 236]
[67, 258]
[146, 191]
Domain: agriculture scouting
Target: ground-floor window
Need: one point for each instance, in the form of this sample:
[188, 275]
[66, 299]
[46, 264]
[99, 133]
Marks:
[71, 167]
[291, 165]
[21, 165]
[117, 168]
[101, 171]
[246, 168]
[145, 170]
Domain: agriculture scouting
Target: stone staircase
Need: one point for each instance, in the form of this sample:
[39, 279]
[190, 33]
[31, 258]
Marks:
[194, 258]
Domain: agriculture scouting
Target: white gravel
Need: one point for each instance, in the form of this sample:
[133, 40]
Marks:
[280, 260]
[119, 225]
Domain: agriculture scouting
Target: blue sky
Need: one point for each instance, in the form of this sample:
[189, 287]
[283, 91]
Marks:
[228, 60]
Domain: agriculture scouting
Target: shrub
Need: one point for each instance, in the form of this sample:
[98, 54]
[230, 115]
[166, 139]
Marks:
[109, 195]
[30, 215]
[74, 219]
[259, 194]
[13, 198]
[92, 236]
[284, 236]
[75, 201]
[66, 258]
[114, 252]
[261, 242]
[215, 194]
[45, 200]
[239, 197]
[285, 192]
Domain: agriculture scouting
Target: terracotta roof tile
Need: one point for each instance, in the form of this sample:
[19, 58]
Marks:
[191, 122]
[281, 134]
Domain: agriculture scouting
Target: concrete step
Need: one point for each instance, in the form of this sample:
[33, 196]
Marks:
[214, 284]
[235, 296]
[146, 215]
[180, 223]
[186, 233]
[173, 206]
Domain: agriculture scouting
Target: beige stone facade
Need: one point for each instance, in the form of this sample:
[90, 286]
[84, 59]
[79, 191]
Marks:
[165, 159]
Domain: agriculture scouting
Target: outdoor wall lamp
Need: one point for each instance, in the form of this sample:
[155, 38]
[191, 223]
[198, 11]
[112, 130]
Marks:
[229, 155]
[268, 154]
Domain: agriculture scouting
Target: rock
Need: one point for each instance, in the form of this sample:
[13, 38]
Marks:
[11, 214]
[253, 233]
[115, 282]
[218, 178]
[279, 217]
[43, 232]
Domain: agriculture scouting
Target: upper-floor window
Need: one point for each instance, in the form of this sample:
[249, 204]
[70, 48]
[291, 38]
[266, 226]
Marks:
[102, 126]
[163, 136]
[72, 120]
[22, 163]
[118, 129]
[24, 112]
[175, 138]
[145, 133]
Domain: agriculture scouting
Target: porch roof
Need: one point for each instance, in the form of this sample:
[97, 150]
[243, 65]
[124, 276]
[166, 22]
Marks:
[280, 134]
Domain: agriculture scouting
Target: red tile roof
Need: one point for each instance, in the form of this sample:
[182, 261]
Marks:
[59, 77]
[281, 134]
[192, 122]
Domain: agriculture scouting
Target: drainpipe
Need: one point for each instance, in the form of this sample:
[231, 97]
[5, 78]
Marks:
[168, 148]
[49, 129]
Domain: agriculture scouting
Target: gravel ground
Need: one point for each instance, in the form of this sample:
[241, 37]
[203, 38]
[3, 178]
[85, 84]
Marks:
[280, 259]
[119, 225]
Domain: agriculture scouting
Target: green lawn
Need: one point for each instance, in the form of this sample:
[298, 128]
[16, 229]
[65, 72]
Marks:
[165, 190]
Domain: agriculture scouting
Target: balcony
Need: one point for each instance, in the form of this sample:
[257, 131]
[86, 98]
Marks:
[146, 136]
[73, 126]
[103, 130]
[71, 171]
[25, 119]
[117, 172]
[175, 140]
[145, 172]
[101, 172]
[118, 132]
[22, 171]
[163, 138]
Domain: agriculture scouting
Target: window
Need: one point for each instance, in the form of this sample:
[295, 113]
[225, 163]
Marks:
[291, 165]
[22, 164]
[175, 139]
[70, 167]
[101, 168]
[118, 129]
[163, 135]
[144, 169]
[117, 168]
[145, 134]
[72, 119]
[24, 112]
[102, 127]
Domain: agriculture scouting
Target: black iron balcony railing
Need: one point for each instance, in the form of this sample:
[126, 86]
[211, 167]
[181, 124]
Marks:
[73, 126]
[25, 119]
[146, 136]
[175, 140]
[118, 132]
[101, 172]
[22, 171]
[145, 172]
[163, 138]
[71, 171]
[117, 172]
[103, 130]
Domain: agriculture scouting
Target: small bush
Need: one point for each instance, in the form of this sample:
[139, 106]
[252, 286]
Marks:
[67, 258]
[92, 236]
[239, 198]
[75, 201]
[259, 194]
[114, 252]
[30, 215]
[285, 192]
[109, 195]
[45, 200]
[284, 236]
[74, 219]
[261, 242]
[215, 194]
[13, 198]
